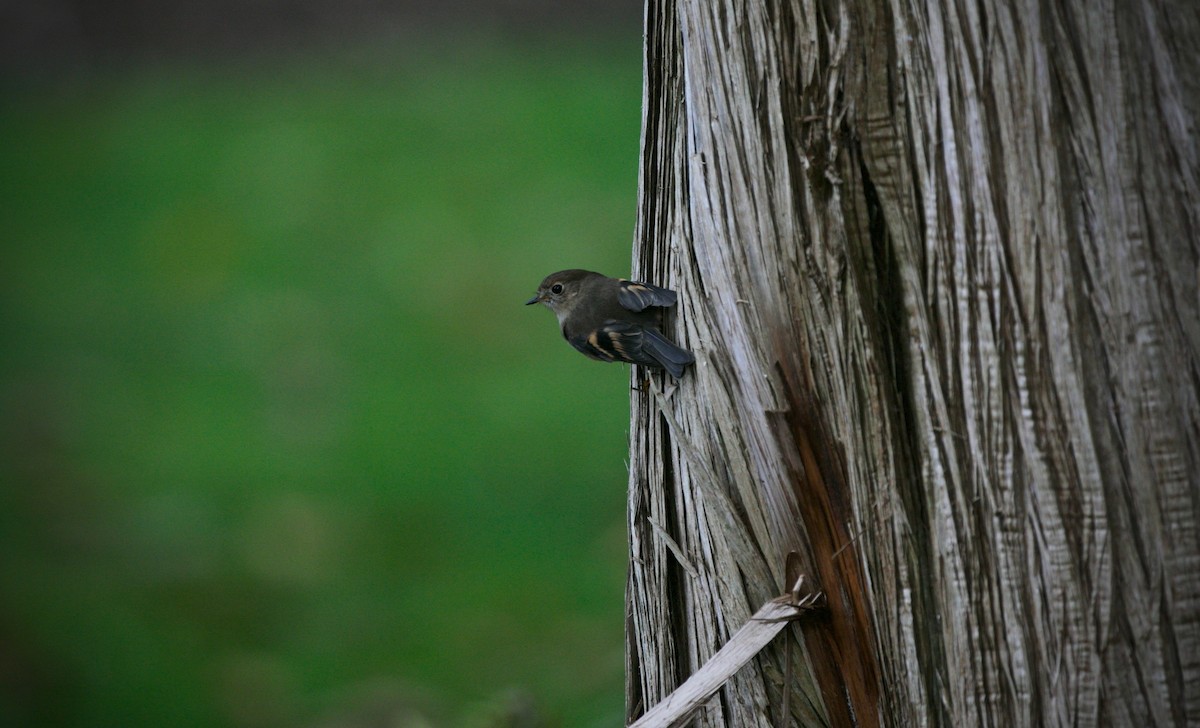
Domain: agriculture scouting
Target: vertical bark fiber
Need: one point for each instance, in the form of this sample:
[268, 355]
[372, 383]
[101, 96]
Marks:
[940, 266]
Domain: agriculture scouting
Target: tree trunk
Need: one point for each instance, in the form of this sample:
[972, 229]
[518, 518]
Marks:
[940, 266]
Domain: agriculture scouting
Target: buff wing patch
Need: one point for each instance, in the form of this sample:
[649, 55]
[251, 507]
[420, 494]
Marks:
[615, 341]
[634, 344]
[640, 296]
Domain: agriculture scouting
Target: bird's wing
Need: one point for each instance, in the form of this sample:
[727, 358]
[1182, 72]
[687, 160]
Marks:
[669, 356]
[640, 296]
[614, 341]
[633, 343]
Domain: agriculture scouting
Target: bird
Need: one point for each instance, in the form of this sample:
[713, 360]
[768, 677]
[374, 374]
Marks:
[613, 319]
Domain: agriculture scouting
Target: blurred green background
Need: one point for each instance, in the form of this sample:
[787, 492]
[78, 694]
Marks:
[280, 443]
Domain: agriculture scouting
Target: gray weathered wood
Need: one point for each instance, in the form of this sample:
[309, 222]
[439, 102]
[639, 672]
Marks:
[940, 266]
[744, 645]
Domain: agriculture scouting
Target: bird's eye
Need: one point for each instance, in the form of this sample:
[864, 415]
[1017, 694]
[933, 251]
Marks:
[556, 288]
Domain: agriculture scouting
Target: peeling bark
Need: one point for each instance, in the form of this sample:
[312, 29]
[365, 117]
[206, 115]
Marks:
[940, 266]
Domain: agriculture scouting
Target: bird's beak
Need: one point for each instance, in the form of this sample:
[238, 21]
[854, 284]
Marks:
[535, 299]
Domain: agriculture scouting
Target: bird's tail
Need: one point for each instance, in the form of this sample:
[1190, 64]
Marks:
[672, 358]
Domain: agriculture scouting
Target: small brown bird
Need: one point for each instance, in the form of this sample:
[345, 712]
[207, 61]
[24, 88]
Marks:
[611, 319]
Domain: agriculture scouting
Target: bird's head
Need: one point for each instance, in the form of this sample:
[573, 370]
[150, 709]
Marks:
[560, 291]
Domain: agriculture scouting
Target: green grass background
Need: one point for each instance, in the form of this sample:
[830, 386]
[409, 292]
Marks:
[281, 446]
